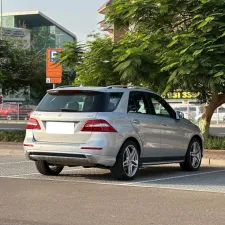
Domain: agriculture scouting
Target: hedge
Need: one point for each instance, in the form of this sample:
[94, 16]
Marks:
[217, 143]
[12, 136]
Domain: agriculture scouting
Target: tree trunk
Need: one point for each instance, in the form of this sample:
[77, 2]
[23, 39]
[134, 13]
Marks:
[204, 124]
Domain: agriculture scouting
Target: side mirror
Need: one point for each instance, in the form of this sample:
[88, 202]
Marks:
[179, 115]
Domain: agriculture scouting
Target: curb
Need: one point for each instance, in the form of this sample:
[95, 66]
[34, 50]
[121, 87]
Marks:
[213, 162]
[12, 122]
[217, 125]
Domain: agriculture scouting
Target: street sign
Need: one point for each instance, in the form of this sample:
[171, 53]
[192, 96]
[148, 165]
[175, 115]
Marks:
[53, 70]
[53, 80]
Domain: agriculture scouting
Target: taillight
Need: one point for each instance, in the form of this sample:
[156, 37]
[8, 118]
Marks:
[98, 126]
[33, 124]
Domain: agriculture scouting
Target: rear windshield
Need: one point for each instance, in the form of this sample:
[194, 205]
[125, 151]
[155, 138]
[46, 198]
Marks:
[80, 101]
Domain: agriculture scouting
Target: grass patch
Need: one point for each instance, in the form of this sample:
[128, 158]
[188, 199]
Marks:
[12, 136]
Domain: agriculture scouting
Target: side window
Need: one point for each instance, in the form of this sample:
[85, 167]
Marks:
[138, 103]
[113, 100]
[160, 106]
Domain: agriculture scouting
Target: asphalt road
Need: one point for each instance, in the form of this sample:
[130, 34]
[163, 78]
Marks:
[161, 195]
[5, 126]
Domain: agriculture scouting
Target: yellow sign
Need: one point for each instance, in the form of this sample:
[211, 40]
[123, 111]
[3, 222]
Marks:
[182, 95]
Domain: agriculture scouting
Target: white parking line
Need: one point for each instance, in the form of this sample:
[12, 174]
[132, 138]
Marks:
[177, 177]
[138, 184]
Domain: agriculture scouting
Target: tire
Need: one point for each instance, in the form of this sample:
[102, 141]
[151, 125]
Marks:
[44, 168]
[126, 168]
[193, 156]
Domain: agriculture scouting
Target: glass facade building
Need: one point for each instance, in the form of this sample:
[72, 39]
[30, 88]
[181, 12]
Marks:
[40, 32]
[44, 32]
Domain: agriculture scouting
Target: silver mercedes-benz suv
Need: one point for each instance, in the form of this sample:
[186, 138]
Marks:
[117, 127]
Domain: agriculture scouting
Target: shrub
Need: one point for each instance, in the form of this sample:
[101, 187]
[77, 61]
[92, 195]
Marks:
[12, 136]
[217, 143]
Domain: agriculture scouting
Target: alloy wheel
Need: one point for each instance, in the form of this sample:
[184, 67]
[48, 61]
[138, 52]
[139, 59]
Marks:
[196, 154]
[130, 161]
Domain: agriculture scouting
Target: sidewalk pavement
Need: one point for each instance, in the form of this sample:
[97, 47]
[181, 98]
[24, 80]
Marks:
[211, 157]
[214, 157]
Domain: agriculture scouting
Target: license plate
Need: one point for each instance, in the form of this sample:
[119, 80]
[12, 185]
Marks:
[60, 128]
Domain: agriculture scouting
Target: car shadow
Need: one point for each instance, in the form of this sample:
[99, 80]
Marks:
[153, 174]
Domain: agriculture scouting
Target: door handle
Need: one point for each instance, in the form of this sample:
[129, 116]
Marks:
[164, 124]
[136, 121]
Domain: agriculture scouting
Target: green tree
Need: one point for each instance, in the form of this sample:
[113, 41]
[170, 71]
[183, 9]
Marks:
[92, 63]
[185, 38]
[21, 67]
[70, 57]
[97, 67]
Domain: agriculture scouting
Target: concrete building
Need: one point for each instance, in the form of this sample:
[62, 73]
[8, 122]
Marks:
[111, 30]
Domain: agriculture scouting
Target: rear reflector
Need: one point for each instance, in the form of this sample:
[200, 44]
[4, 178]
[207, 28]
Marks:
[98, 126]
[89, 148]
[28, 145]
[33, 124]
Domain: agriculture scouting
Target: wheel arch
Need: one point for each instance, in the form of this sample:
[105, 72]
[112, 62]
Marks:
[134, 140]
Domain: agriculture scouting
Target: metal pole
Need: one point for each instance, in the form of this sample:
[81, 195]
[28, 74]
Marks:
[1, 22]
[218, 118]
[18, 111]
[54, 86]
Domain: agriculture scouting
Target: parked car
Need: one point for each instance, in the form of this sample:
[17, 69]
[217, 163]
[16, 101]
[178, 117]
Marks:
[218, 115]
[22, 114]
[191, 112]
[116, 127]
[7, 109]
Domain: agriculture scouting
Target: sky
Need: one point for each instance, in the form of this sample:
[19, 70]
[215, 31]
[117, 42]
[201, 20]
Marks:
[78, 16]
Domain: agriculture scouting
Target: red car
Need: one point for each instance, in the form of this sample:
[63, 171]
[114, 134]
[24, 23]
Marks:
[7, 109]
[23, 113]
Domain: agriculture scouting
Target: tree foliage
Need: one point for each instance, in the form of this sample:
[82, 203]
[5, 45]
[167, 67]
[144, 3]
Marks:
[94, 62]
[188, 39]
[21, 67]
[169, 45]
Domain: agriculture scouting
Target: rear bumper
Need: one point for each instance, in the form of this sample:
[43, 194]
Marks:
[71, 155]
[70, 158]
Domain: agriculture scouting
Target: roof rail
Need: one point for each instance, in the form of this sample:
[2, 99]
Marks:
[65, 86]
[117, 86]
[139, 87]
[127, 86]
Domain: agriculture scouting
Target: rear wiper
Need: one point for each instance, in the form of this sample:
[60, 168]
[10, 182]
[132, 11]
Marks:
[68, 110]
